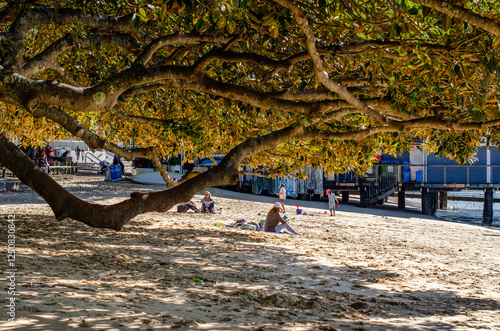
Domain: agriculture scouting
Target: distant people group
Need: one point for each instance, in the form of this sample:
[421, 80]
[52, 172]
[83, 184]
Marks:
[46, 155]
[274, 221]
[207, 205]
[80, 152]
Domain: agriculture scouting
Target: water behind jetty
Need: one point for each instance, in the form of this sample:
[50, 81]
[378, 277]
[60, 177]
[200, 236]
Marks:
[464, 211]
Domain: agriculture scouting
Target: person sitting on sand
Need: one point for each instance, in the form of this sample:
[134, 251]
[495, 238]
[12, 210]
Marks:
[185, 207]
[207, 203]
[274, 222]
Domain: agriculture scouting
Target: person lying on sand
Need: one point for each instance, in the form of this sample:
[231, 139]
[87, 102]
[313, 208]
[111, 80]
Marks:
[274, 222]
[185, 207]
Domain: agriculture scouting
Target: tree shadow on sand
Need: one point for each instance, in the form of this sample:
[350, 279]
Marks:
[146, 277]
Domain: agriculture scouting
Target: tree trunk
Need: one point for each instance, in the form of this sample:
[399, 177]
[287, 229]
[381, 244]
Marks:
[64, 204]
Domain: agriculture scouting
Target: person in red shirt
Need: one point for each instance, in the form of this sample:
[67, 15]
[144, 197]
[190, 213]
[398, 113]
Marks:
[47, 150]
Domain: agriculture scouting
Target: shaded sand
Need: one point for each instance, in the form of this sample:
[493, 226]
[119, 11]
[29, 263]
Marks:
[365, 269]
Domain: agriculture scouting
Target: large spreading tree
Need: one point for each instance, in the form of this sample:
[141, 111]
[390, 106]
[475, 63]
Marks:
[277, 85]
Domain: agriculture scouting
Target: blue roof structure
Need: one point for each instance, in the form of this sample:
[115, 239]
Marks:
[207, 161]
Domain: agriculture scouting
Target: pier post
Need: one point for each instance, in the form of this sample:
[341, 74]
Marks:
[345, 196]
[488, 206]
[434, 201]
[443, 200]
[426, 203]
[401, 198]
[363, 197]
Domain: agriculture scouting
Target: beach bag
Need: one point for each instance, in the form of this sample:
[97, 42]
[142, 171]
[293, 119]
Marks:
[248, 227]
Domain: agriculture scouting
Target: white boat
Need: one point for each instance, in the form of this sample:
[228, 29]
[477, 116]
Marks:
[154, 177]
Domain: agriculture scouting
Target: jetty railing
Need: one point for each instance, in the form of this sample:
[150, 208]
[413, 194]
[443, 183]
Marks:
[467, 176]
[383, 183]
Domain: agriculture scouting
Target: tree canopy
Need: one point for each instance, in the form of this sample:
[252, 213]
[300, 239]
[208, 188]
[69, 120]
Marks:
[278, 84]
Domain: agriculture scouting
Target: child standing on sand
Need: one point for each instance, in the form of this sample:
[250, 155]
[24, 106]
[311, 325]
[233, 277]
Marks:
[332, 200]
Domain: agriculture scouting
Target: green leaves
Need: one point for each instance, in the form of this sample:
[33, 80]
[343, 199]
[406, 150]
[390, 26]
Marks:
[397, 27]
[456, 146]
[242, 4]
[136, 20]
[405, 62]
[413, 11]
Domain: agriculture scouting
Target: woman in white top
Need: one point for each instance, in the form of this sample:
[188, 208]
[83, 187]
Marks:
[282, 195]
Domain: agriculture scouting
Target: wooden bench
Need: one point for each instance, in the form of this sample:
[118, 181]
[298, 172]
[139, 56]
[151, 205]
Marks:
[57, 168]
[72, 168]
[5, 170]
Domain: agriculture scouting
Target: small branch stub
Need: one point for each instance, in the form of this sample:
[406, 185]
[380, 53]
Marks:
[79, 133]
[32, 103]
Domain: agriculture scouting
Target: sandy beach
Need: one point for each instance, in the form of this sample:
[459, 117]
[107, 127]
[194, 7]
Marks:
[365, 269]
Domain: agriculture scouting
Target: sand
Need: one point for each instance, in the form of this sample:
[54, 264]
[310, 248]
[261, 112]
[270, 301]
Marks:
[365, 269]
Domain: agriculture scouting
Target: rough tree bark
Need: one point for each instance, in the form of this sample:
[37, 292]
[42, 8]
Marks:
[115, 216]
[64, 204]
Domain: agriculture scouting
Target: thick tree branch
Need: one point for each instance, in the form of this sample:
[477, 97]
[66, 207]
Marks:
[309, 103]
[427, 123]
[178, 38]
[258, 174]
[164, 174]
[319, 70]
[117, 215]
[488, 24]
[363, 46]
[19, 89]
[255, 98]
[96, 142]
[233, 57]
[30, 18]
[235, 92]
[105, 95]
[91, 139]
[491, 124]
[131, 92]
[47, 59]
[65, 204]
[321, 94]
[284, 64]
[147, 120]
